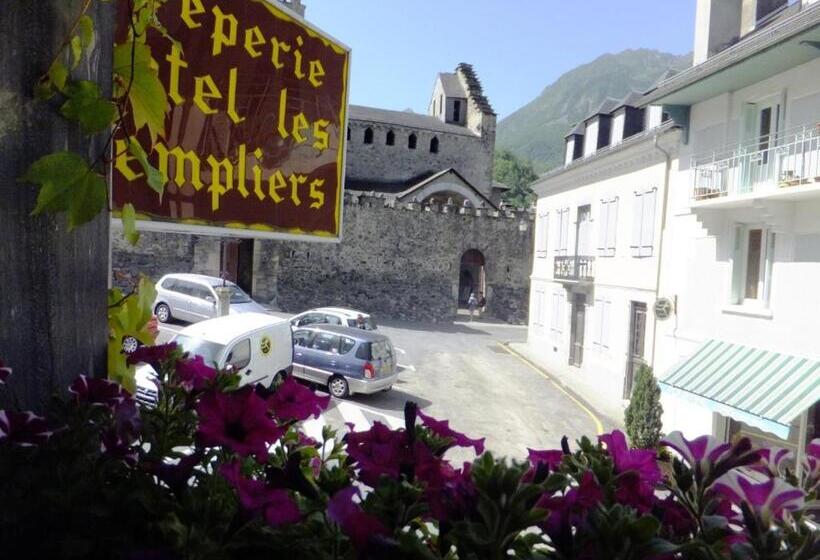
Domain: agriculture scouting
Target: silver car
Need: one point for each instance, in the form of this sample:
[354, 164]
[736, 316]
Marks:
[191, 298]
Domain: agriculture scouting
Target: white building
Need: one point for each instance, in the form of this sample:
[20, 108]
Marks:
[741, 354]
[723, 233]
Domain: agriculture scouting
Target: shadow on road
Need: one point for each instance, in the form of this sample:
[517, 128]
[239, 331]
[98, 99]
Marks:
[392, 400]
[444, 327]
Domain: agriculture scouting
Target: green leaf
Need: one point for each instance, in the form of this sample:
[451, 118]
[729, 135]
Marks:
[58, 74]
[76, 51]
[87, 199]
[645, 528]
[56, 174]
[155, 179]
[147, 95]
[129, 224]
[85, 106]
[86, 27]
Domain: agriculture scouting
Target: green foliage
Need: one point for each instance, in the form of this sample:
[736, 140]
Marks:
[643, 415]
[128, 315]
[516, 174]
[154, 178]
[85, 106]
[129, 224]
[146, 93]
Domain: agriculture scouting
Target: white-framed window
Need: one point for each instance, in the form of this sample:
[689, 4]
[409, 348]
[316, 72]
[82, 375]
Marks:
[542, 228]
[600, 335]
[557, 322]
[752, 260]
[561, 231]
[643, 222]
[607, 227]
[539, 309]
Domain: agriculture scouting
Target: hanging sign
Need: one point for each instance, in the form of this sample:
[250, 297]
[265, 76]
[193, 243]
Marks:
[253, 141]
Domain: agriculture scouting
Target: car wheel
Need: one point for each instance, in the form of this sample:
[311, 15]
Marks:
[163, 313]
[386, 389]
[337, 386]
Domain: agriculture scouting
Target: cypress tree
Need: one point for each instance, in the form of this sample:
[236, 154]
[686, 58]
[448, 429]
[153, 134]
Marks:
[643, 415]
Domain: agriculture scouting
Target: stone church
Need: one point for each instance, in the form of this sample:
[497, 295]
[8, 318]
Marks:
[423, 224]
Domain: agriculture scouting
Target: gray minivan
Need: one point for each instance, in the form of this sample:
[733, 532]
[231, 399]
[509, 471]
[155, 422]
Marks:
[191, 298]
[346, 360]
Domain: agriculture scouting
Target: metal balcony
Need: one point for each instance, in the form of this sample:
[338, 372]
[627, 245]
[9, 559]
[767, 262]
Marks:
[575, 268]
[777, 164]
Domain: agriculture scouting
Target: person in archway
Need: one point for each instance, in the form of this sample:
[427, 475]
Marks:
[482, 302]
[472, 304]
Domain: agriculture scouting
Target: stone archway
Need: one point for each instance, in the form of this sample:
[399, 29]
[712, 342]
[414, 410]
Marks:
[471, 276]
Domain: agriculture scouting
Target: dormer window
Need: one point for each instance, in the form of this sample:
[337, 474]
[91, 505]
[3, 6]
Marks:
[368, 135]
[456, 110]
[411, 142]
[391, 138]
[434, 145]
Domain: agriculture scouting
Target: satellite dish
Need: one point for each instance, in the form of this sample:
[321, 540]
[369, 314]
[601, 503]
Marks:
[663, 308]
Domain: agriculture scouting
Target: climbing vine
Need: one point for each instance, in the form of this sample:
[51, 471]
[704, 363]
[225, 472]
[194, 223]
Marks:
[72, 182]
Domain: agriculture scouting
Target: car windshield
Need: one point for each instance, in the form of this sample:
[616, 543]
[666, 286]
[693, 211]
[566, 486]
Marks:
[209, 351]
[381, 350]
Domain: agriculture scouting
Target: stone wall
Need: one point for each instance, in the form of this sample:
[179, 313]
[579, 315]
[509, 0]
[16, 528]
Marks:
[397, 261]
[467, 153]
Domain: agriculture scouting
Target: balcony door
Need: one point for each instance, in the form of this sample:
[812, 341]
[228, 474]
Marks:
[762, 123]
[583, 231]
[576, 332]
[637, 333]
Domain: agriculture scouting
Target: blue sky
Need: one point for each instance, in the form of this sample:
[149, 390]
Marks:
[517, 46]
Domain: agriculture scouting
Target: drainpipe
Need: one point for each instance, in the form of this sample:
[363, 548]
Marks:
[666, 174]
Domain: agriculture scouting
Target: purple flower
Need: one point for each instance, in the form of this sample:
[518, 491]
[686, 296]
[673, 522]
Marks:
[811, 466]
[23, 429]
[773, 460]
[239, 421]
[637, 470]
[355, 523]
[293, 401]
[442, 429]
[115, 446]
[175, 475]
[767, 499]
[570, 509]
[194, 374]
[94, 391]
[153, 355]
[551, 458]
[709, 458]
[275, 505]
[455, 493]
[5, 372]
[378, 452]
[676, 519]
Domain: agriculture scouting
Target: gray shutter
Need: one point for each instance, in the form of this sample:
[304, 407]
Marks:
[637, 217]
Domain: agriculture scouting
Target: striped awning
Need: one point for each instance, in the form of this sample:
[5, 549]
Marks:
[761, 388]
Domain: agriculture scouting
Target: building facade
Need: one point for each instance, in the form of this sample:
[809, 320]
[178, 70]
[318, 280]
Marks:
[718, 294]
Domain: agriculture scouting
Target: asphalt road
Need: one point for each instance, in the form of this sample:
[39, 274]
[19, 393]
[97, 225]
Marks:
[463, 373]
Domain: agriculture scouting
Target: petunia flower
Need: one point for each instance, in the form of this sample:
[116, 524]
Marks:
[194, 374]
[676, 519]
[5, 372]
[238, 420]
[454, 495]
[175, 475]
[23, 429]
[811, 466]
[767, 499]
[442, 429]
[98, 392]
[358, 525]
[294, 401]
[115, 446]
[378, 452]
[637, 470]
[275, 505]
[569, 510]
[773, 460]
[709, 458]
[153, 355]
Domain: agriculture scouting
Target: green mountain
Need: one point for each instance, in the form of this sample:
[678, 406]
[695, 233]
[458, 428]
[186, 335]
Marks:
[536, 131]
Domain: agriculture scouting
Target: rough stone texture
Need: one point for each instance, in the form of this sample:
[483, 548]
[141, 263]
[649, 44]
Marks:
[397, 261]
[155, 255]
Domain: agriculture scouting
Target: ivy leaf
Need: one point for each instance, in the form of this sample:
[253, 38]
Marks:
[155, 179]
[86, 27]
[129, 318]
[76, 51]
[129, 224]
[85, 106]
[56, 174]
[147, 95]
[87, 199]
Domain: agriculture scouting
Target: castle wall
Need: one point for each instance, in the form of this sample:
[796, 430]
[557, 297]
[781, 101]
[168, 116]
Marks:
[397, 261]
[470, 155]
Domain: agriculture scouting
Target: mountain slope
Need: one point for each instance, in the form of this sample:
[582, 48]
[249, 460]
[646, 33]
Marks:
[536, 131]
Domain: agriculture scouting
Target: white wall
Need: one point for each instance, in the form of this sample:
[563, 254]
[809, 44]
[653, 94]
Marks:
[617, 132]
[570, 150]
[591, 138]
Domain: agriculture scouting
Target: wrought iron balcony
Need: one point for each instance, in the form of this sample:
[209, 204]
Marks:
[764, 166]
[578, 268]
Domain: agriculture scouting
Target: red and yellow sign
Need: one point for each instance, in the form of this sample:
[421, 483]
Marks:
[254, 134]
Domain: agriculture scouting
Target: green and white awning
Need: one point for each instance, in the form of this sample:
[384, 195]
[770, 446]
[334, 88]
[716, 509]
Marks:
[761, 388]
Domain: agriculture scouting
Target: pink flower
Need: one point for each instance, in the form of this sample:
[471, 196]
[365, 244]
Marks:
[811, 466]
[675, 518]
[153, 355]
[767, 499]
[5, 372]
[94, 391]
[709, 458]
[275, 505]
[637, 470]
[571, 509]
[23, 429]
[551, 458]
[355, 523]
[378, 452]
[442, 429]
[294, 401]
[238, 420]
[455, 493]
[773, 460]
[194, 374]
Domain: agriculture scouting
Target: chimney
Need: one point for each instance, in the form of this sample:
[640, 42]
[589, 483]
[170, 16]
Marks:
[717, 25]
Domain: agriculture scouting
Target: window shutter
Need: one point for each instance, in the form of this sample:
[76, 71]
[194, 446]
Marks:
[545, 232]
[612, 226]
[605, 311]
[648, 223]
[737, 265]
[564, 230]
[603, 218]
[637, 215]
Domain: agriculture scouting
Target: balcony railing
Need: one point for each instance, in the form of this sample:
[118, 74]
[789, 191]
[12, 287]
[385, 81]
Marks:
[783, 160]
[574, 267]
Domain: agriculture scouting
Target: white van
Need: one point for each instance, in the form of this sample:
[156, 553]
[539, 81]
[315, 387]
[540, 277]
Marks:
[257, 346]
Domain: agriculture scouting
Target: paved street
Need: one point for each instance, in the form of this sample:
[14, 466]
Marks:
[463, 373]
